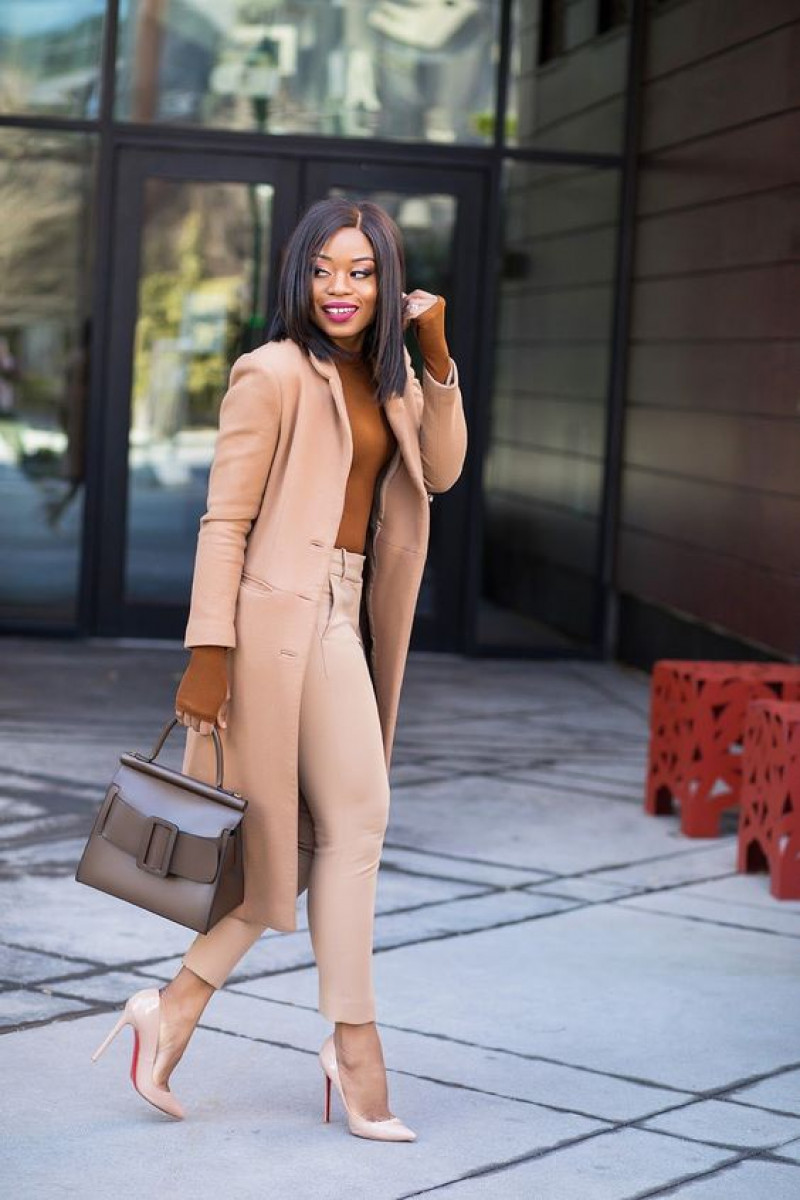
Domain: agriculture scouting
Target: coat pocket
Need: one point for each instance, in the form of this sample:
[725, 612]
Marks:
[253, 583]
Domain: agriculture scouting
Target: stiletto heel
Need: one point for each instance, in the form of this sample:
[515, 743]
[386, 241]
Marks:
[101, 1049]
[142, 1012]
[390, 1130]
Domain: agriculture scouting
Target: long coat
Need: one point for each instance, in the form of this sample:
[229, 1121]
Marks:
[275, 499]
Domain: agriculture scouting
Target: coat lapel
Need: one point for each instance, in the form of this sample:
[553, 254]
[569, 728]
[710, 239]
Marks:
[397, 414]
[328, 371]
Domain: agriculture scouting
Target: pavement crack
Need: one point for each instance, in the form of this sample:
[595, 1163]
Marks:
[672, 1188]
[507, 1164]
[715, 923]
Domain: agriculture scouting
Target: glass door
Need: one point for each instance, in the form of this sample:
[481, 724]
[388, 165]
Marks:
[196, 238]
[440, 217]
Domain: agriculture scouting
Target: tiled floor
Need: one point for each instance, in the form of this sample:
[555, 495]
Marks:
[576, 1003]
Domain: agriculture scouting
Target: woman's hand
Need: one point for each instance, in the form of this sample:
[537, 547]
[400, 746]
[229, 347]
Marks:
[203, 693]
[426, 313]
[416, 303]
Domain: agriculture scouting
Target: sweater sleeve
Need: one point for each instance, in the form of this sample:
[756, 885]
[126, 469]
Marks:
[249, 423]
[432, 340]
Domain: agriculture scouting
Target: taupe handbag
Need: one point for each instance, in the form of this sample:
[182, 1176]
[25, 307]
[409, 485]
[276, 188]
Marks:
[167, 842]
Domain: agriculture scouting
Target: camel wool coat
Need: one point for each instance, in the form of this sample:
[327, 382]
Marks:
[275, 499]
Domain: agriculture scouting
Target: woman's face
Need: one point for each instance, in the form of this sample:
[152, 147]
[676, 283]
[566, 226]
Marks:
[345, 287]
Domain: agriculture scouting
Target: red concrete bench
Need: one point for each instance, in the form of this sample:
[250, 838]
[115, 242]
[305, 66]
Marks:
[769, 815]
[697, 720]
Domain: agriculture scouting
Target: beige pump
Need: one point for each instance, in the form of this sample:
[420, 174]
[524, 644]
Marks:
[142, 1013]
[390, 1130]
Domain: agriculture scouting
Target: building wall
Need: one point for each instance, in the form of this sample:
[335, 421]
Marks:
[574, 99]
[711, 487]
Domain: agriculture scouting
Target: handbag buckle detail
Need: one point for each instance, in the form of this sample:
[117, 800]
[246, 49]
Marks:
[159, 866]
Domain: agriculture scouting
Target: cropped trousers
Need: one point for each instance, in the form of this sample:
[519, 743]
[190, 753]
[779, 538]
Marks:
[342, 775]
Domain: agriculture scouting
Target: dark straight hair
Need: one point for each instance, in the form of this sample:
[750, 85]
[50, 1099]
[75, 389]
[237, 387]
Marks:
[383, 338]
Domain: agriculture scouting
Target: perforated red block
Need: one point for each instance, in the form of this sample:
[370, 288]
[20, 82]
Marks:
[697, 718]
[769, 816]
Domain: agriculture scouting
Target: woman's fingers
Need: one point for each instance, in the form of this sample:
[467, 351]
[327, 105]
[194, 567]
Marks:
[418, 302]
[198, 724]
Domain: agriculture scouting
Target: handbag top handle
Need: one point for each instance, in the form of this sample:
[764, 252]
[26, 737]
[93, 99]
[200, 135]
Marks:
[167, 730]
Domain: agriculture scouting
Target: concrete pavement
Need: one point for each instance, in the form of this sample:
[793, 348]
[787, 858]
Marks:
[575, 1002]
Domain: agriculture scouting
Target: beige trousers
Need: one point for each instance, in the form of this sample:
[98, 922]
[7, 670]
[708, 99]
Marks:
[342, 774]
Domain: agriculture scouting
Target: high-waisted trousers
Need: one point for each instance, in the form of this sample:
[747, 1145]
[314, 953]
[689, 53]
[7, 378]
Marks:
[342, 774]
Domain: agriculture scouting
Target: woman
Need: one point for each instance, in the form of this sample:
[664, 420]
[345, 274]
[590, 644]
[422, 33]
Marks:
[327, 456]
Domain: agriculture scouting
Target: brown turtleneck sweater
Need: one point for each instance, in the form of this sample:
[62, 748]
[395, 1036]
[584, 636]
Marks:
[373, 445]
[203, 687]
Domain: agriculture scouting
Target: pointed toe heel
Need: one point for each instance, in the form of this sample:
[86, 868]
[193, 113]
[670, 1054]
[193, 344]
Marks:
[142, 1013]
[390, 1130]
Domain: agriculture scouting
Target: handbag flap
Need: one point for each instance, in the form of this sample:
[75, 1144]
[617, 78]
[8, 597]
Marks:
[157, 843]
[214, 808]
[154, 795]
[209, 790]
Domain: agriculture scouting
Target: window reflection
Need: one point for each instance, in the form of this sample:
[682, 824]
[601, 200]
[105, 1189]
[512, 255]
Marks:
[50, 54]
[45, 184]
[420, 70]
[205, 249]
[544, 467]
[568, 75]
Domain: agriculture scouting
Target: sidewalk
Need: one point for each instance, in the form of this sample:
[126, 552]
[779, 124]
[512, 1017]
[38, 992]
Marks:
[575, 1002]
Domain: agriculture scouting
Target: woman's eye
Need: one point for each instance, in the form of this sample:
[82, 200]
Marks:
[360, 272]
